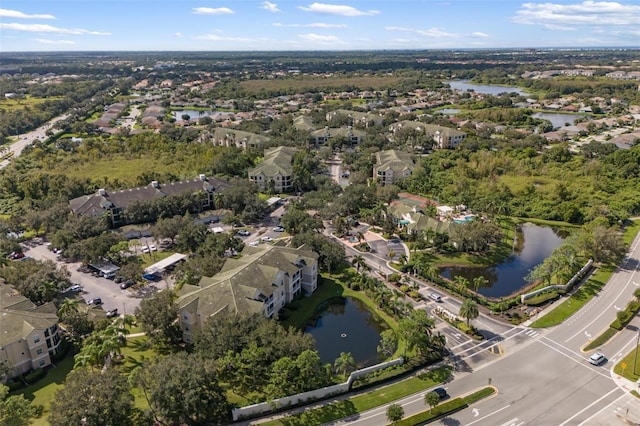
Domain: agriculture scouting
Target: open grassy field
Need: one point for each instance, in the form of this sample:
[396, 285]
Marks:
[18, 104]
[303, 84]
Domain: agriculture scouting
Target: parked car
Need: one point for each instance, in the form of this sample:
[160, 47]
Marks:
[112, 313]
[145, 250]
[95, 301]
[125, 285]
[254, 243]
[279, 229]
[266, 239]
[153, 247]
[597, 358]
[150, 277]
[76, 288]
[244, 233]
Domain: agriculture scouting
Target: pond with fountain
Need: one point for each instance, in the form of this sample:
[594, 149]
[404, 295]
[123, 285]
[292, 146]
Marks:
[347, 325]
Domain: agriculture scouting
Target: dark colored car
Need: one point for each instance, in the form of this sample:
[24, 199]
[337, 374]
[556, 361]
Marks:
[125, 285]
[150, 277]
[441, 392]
[95, 301]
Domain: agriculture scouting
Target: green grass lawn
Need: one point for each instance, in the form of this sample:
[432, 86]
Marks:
[366, 401]
[577, 300]
[628, 362]
[43, 392]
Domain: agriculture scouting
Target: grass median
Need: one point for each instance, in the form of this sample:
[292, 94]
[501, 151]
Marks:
[367, 401]
[446, 408]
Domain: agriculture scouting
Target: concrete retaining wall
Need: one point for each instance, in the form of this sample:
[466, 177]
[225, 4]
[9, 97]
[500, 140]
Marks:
[264, 407]
[577, 277]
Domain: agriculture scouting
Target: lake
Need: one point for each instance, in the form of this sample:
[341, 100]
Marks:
[194, 115]
[347, 326]
[557, 120]
[533, 244]
[489, 89]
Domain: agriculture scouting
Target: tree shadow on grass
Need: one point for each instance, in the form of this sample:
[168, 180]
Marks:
[328, 414]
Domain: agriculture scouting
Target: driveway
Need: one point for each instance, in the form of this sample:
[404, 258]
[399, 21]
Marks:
[112, 296]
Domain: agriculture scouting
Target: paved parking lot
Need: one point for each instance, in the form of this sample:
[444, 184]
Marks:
[112, 296]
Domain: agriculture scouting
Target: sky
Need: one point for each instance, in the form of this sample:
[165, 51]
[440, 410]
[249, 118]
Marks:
[289, 25]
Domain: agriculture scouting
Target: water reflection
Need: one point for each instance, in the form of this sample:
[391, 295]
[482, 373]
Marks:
[533, 244]
[347, 325]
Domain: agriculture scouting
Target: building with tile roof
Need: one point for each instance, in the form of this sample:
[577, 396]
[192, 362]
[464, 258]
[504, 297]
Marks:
[115, 203]
[444, 137]
[224, 136]
[275, 170]
[357, 117]
[392, 165]
[261, 281]
[28, 333]
[346, 133]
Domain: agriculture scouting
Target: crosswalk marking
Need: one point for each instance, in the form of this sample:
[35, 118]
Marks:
[531, 333]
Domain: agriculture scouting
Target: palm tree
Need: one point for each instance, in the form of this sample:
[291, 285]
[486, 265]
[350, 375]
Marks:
[462, 284]
[344, 363]
[469, 310]
[358, 262]
[432, 399]
[68, 306]
[479, 281]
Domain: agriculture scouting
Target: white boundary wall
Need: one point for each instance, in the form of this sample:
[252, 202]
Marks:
[565, 287]
[264, 407]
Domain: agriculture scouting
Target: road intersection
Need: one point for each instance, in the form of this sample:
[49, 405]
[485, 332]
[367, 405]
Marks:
[542, 375]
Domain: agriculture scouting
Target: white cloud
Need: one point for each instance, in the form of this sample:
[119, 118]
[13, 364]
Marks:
[585, 13]
[47, 41]
[312, 25]
[216, 37]
[43, 28]
[479, 34]
[318, 38]
[271, 7]
[178, 34]
[337, 9]
[212, 11]
[554, 27]
[7, 13]
[432, 32]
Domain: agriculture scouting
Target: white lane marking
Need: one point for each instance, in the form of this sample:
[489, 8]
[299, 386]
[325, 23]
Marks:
[580, 362]
[586, 333]
[475, 412]
[488, 415]
[603, 311]
[589, 406]
[511, 422]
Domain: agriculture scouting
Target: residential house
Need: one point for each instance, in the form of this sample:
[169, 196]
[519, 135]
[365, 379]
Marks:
[346, 133]
[275, 171]
[444, 137]
[261, 281]
[29, 334]
[238, 138]
[392, 165]
[357, 117]
[113, 204]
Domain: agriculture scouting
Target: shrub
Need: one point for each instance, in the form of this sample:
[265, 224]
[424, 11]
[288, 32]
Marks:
[34, 376]
[14, 385]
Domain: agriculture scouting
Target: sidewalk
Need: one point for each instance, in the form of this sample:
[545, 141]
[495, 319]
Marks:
[632, 415]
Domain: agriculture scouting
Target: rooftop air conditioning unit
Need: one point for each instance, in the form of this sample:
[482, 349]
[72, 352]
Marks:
[155, 184]
[202, 176]
[102, 192]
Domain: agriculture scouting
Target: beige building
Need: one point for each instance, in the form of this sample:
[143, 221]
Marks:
[347, 134]
[275, 170]
[444, 137]
[28, 333]
[223, 136]
[392, 165]
[114, 203]
[262, 281]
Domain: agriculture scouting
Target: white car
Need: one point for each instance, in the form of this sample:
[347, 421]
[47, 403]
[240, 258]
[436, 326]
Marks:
[266, 239]
[278, 229]
[153, 247]
[597, 358]
[145, 249]
[254, 243]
